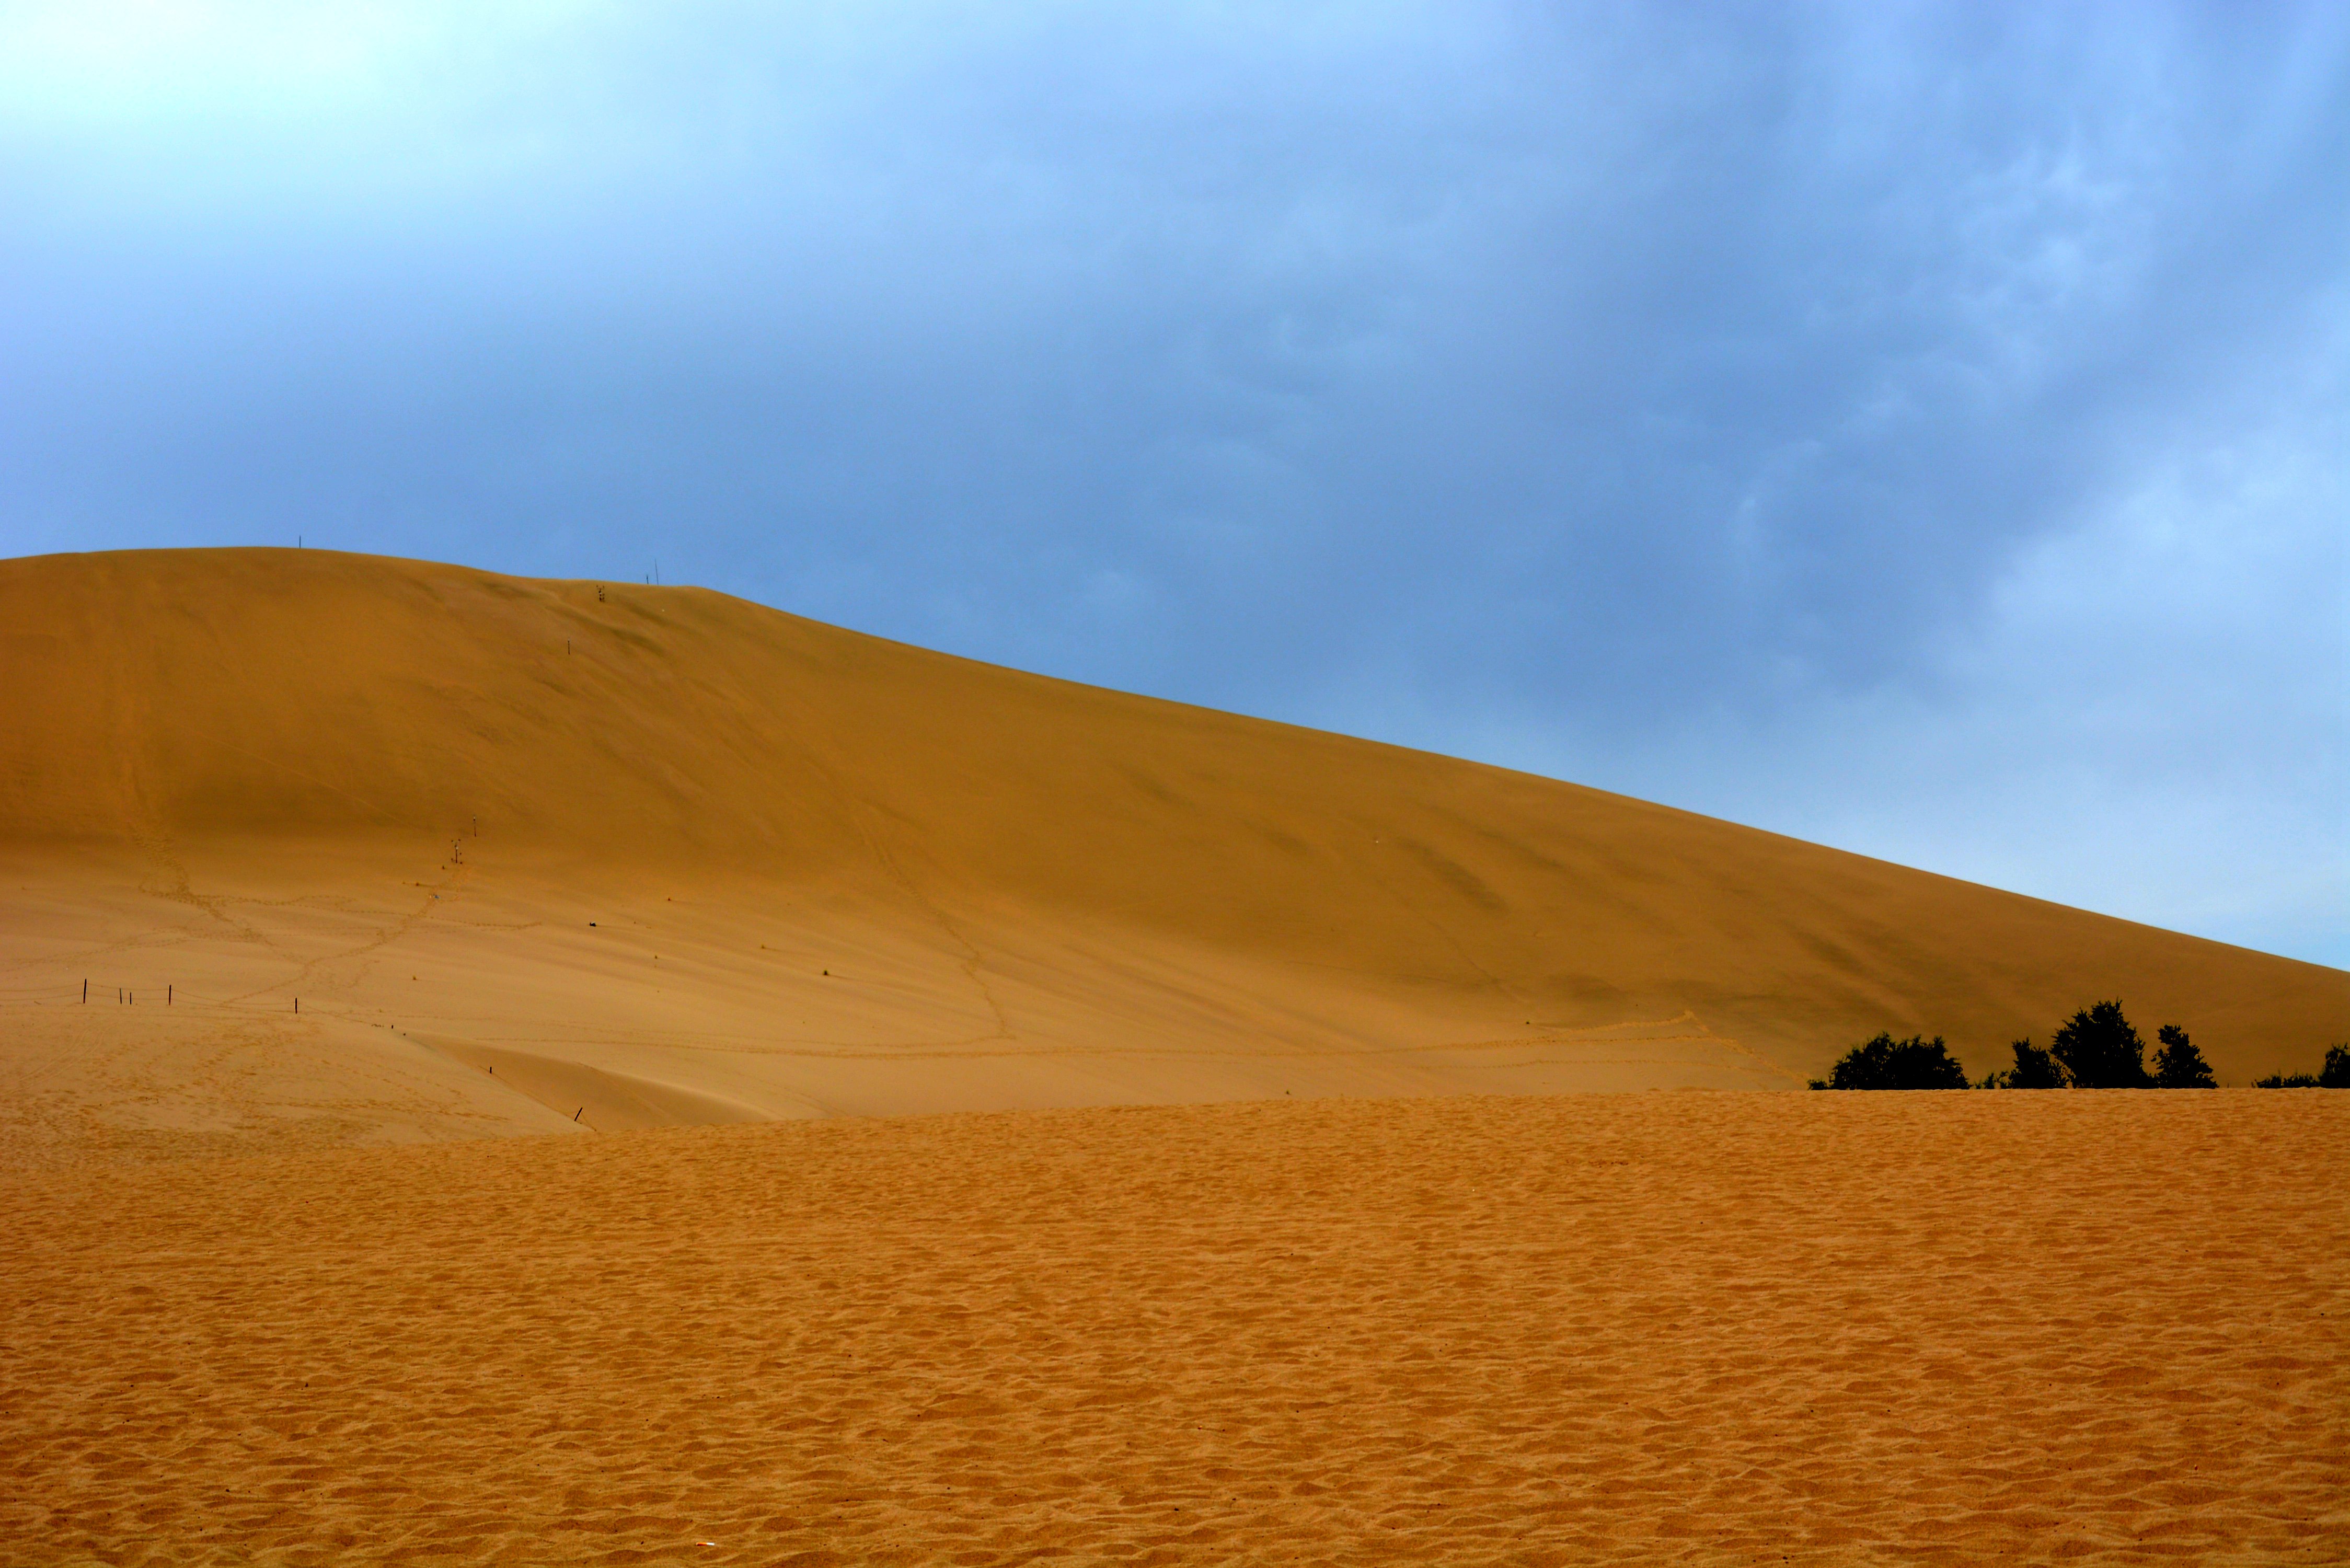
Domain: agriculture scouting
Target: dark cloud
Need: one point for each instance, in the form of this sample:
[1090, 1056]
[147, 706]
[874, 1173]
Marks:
[1689, 401]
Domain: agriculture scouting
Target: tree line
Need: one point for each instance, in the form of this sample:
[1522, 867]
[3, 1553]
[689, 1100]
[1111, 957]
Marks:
[2096, 1048]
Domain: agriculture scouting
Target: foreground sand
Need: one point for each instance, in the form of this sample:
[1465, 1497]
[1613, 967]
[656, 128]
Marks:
[1802, 1328]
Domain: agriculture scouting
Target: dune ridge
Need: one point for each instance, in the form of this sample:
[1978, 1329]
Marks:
[672, 838]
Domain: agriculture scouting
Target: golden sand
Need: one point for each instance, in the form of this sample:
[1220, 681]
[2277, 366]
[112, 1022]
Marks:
[818, 960]
[1689, 1327]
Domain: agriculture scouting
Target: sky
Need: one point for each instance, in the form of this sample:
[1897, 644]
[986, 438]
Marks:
[1924, 429]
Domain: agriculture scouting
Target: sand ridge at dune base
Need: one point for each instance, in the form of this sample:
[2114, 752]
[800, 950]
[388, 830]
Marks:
[1700, 1327]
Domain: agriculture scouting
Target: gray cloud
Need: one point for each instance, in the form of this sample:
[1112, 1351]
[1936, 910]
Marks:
[1918, 428]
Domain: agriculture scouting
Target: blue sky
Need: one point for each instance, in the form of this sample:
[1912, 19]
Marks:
[1925, 430]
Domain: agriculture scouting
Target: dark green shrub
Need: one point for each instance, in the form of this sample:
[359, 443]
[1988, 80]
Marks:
[2334, 1075]
[2033, 1069]
[2179, 1065]
[2101, 1050]
[1886, 1062]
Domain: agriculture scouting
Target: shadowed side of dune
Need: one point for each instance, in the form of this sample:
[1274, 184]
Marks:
[775, 853]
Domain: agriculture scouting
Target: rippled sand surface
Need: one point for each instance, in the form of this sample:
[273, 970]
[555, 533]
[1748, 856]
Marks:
[1751, 1328]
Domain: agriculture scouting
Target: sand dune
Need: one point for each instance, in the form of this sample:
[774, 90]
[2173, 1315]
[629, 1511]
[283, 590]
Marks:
[669, 855]
[1704, 1328]
[354, 851]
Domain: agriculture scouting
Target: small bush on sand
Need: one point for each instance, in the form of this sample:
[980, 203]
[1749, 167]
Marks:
[1886, 1062]
[2334, 1075]
[2033, 1069]
[2179, 1065]
[2101, 1050]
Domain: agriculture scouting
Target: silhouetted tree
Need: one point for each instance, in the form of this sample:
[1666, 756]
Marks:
[2179, 1065]
[2334, 1075]
[2033, 1069]
[2101, 1050]
[1886, 1062]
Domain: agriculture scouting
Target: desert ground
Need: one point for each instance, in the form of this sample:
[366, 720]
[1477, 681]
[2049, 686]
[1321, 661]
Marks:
[1698, 1327]
[527, 1072]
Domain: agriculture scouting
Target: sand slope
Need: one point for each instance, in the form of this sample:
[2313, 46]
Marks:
[615, 837]
[1701, 1328]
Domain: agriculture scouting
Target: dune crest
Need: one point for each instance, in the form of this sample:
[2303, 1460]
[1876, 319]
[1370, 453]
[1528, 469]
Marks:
[663, 837]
